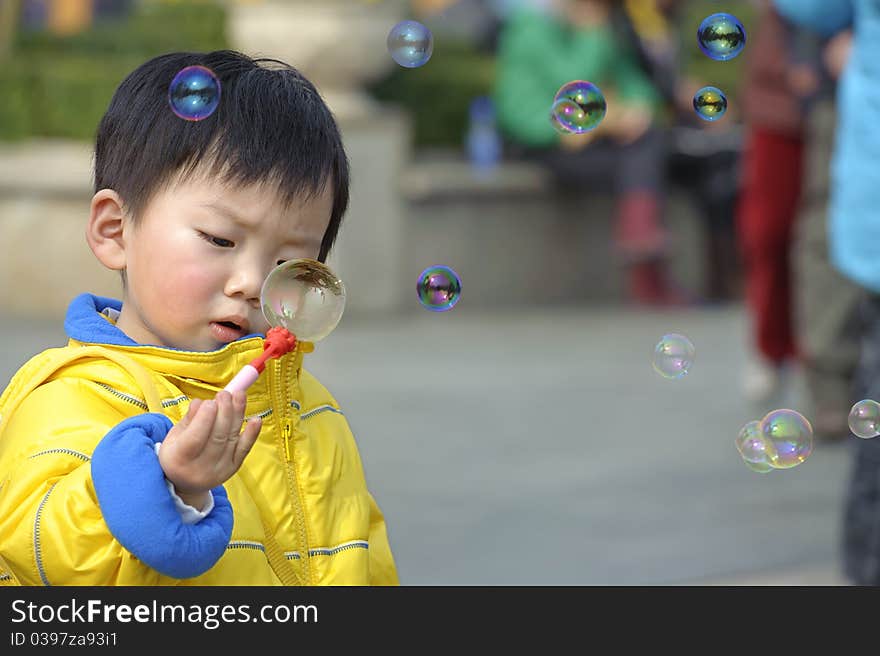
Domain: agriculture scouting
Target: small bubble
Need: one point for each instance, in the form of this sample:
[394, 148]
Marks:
[439, 288]
[710, 103]
[673, 356]
[194, 93]
[721, 36]
[760, 467]
[410, 44]
[751, 445]
[864, 419]
[577, 107]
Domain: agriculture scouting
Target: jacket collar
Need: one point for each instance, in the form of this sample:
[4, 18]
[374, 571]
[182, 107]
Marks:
[87, 322]
[91, 320]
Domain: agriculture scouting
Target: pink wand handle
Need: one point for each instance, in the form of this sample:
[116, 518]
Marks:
[278, 342]
[243, 379]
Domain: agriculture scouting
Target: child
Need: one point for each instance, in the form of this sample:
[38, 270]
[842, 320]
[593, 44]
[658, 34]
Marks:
[194, 214]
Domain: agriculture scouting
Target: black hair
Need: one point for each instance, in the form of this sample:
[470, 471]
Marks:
[271, 125]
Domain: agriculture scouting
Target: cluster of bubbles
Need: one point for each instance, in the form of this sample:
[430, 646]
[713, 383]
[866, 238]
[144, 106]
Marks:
[781, 440]
[438, 288]
[673, 356]
[864, 419]
[410, 44]
[579, 106]
[721, 37]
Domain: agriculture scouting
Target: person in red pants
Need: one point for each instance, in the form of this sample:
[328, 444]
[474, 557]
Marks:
[773, 108]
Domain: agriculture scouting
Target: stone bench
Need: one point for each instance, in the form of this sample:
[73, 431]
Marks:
[513, 238]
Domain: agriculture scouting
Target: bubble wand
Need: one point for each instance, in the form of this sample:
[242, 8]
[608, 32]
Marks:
[299, 297]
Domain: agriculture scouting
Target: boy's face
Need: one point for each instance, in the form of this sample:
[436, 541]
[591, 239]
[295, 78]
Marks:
[190, 264]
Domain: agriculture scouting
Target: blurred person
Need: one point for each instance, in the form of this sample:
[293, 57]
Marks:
[826, 302]
[854, 232]
[124, 460]
[772, 96]
[703, 158]
[539, 51]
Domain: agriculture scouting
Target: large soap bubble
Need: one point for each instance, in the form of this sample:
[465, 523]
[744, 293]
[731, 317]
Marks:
[788, 437]
[305, 297]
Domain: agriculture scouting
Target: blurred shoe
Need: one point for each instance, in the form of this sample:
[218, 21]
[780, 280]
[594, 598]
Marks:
[649, 284]
[762, 380]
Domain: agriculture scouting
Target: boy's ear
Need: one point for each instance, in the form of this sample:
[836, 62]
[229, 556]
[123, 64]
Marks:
[104, 232]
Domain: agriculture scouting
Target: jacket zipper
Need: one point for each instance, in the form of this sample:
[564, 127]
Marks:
[281, 389]
[286, 433]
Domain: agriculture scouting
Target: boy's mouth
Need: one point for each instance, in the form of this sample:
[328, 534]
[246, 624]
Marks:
[228, 331]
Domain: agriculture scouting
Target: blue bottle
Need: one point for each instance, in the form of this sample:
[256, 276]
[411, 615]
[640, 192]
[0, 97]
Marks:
[482, 142]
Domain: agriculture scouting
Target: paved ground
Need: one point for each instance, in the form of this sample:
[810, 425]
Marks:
[538, 446]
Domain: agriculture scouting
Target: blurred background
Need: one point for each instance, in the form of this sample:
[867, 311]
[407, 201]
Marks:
[522, 437]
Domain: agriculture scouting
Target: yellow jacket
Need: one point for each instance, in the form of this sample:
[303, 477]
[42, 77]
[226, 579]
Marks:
[84, 502]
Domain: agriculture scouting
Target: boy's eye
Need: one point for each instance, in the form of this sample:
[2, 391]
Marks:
[217, 241]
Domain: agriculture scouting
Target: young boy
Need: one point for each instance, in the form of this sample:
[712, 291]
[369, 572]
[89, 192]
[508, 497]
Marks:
[122, 461]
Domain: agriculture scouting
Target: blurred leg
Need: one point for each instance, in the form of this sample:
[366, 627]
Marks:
[861, 521]
[826, 302]
[641, 238]
[765, 218]
[639, 232]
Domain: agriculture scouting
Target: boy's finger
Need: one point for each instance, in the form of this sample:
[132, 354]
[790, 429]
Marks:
[216, 445]
[199, 429]
[246, 441]
[190, 413]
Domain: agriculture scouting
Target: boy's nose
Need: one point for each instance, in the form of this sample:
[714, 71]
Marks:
[246, 284]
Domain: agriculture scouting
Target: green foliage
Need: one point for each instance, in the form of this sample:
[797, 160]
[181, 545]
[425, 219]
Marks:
[439, 93]
[60, 86]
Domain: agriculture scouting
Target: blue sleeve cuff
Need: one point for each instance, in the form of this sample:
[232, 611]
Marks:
[140, 512]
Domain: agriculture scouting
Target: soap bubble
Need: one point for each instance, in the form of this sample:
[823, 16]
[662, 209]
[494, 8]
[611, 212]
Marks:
[577, 107]
[410, 44]
[710, 103]
[760, 467]
[194, 93]
[864, 419]
[305, 297]
[439, 288]
[788, 437]
[673, 355]
[721, 36]
[567, 116]
[751, 445]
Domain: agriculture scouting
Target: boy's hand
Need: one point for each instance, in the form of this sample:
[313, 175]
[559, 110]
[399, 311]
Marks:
[207, 446]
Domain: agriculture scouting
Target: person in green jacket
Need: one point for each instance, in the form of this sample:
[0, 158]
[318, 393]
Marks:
[540, 50]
